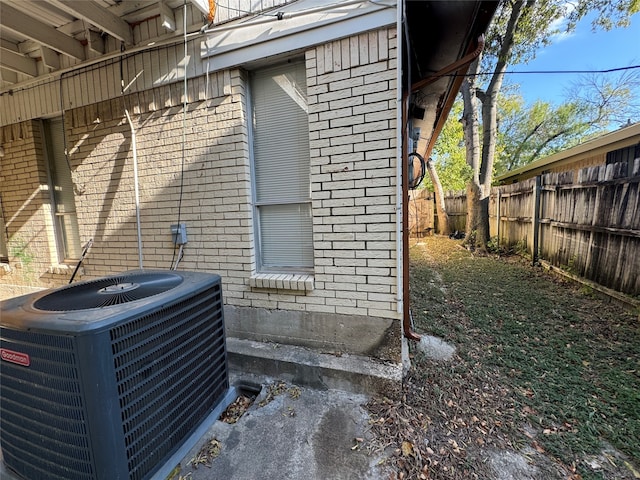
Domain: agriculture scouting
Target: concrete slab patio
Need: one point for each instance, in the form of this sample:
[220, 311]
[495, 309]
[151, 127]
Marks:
[312, 427]
[308, 430]
[301, 433]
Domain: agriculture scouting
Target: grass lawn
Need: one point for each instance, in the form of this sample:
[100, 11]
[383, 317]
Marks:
[543, 368]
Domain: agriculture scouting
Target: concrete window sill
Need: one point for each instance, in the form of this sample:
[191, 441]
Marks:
[282, 281]
[63, 269]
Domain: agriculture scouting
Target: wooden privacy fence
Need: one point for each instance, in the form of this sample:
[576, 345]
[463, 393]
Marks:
[421, 213]
[585, 222]
[423, 218]
[456, 204]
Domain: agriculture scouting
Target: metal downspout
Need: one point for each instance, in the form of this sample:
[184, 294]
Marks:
[399, 116]
[454, 67]
[451, 68]
[403, 254]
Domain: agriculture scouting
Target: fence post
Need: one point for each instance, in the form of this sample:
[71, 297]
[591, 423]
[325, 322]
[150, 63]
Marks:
[536, 219]
[498, 215]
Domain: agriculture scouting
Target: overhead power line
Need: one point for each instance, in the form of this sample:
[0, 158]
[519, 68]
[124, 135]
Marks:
[101, 64]
[549, 72]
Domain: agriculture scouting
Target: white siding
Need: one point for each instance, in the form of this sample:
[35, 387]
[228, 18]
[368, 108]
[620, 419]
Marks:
[99, 82]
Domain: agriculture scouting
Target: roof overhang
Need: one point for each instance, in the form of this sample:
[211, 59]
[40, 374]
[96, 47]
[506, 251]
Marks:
[296, 26]
[624, 137]
[435, 35]
[440, 34]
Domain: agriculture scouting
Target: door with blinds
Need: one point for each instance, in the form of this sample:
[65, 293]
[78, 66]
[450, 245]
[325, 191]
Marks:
[64, 205]
[281, 168]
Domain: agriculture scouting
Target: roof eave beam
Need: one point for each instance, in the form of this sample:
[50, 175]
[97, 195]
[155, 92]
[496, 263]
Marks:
[50, 58]
[19, 63]
[167, 16]
[8, 76]
[98, 16]
[23, 24]
[202, 5]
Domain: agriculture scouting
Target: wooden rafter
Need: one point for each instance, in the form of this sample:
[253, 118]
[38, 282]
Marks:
[8, 76]
[98, 16]
[50, 58]
[19, 63]
[23, 24]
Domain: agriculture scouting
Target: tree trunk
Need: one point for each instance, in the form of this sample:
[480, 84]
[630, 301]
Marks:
[481, 160]
[473, 213]
[470, 127]
[485, 177]
[441, 208]
[483, 235]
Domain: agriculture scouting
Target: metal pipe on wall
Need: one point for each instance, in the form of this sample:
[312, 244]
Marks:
[135, 185]
[399, 163]
[403, 162]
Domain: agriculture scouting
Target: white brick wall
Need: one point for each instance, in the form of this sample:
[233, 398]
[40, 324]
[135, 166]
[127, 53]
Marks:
[26, 207]
[351, 94]
[352, 127]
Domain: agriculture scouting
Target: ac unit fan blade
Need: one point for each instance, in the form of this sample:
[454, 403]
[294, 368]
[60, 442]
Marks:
[108, 291]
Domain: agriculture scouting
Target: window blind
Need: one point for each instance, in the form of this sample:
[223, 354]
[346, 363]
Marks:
[62, 186]
[286, 235]
[281, 166]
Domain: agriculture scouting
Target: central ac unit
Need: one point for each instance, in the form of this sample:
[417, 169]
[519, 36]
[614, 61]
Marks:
[105, 379]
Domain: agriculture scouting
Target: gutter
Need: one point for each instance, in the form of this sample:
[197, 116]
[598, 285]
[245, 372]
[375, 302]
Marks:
[455, 67]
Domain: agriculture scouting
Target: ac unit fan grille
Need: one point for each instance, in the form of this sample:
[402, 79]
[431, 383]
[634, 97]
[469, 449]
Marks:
[108, 291]
[53, 407]
[170, 373]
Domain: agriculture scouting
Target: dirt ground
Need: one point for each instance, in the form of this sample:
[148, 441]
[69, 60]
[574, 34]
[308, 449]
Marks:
[541, 380]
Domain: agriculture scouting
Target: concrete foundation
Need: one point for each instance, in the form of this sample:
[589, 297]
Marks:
[375, 337]
[307, 367]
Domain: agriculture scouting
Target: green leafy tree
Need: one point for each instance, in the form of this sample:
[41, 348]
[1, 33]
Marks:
[594, 103]
[447, 168]
[541, 129]
[449, 154]
[520, 28]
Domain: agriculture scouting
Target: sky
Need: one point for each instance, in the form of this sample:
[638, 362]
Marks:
[581, 50]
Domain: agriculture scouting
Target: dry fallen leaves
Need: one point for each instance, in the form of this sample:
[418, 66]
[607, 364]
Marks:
[279, 388]
[236, 409]
[407, 449]
[209, 451]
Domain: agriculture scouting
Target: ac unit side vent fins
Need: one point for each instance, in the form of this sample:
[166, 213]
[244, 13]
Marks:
[99, 384]
[53, 407]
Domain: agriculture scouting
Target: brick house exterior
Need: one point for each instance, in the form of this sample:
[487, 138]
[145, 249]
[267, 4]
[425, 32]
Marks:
[196, 166]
